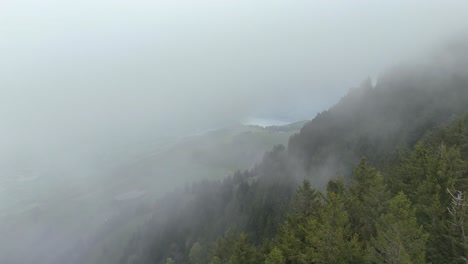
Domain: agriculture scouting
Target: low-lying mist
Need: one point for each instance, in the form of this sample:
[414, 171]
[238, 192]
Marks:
[100, 101]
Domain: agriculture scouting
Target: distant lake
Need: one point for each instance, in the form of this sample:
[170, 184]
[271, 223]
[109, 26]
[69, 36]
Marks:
[264, 122]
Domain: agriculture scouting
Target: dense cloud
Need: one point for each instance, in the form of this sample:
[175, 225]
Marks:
[113, 71]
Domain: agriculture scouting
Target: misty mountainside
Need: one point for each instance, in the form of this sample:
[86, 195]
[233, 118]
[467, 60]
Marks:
[378, 121]
[113, 210]
[233, 132]
[367, 181]
[210, 155]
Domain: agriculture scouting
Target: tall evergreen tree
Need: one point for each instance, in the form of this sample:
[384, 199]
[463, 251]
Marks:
[367, 198]
[292, 236]
[275, 257]
[399, 238]
[329, 237]
[243, 252]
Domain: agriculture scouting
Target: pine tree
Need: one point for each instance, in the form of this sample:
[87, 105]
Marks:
[196, 254]
[456, 229]
[329, 237]
[224, 247]
[275, 257]
[243, 252]
[399, 238]
[306, 201]
[292, 236]
[443, 169]
[367, 198]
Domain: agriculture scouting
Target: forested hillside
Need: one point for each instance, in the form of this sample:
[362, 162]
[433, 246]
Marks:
[379, 177]
[210, 155]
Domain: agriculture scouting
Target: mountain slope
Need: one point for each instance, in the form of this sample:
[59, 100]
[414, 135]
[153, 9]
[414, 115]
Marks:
[114, 209]
[212, 155]
[378, 122]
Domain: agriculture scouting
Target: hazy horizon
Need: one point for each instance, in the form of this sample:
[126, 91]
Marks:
[88, 87]
[88, 76]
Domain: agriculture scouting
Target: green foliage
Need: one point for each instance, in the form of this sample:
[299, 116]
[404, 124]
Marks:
[306, 201]
[399, 239]
[367, 199]
[400, 216]
[293, 235]
[329, 237]
[243, 253]
[392, 208]
[336, 186]
[224, 247]
[275, 257]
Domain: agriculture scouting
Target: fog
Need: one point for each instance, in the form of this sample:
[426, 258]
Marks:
[114, 73]
[88, 86]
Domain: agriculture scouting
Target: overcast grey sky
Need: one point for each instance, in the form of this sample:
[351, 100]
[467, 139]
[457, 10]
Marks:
[91, 75]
